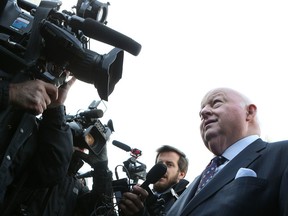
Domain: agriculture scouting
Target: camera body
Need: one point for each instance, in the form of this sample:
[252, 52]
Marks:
[15, 27]
[44, 43]
[87, 129]
[14, 21]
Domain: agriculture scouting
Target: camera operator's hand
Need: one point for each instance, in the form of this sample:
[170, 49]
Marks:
[91, 158]
[62, 93]
[132, 203]
[33, 95]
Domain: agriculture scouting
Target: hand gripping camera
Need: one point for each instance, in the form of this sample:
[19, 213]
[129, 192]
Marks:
[46, 44]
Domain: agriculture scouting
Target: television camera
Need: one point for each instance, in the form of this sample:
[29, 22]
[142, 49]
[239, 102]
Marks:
[134, 169]
[44, 43]
[88, 131]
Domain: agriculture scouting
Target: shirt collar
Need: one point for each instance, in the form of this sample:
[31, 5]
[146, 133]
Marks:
[238, 146]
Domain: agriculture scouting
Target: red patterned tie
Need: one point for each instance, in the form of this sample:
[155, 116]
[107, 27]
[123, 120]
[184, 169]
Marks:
[209, 172]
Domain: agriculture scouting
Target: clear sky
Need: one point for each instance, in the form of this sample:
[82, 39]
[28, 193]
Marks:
[189, 47]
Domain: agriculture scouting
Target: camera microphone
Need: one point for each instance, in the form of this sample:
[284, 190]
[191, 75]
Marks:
[154, 174]
[98, 31]
[95, 113]
[121, 145]
[85, 175]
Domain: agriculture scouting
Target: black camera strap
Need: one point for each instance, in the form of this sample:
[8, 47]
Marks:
[34, 44]
[2, 5]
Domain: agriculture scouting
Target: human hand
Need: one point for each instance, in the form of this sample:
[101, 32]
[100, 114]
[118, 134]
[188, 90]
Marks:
[62, 93]
[33, 95]
[133, 202]
[91, 158]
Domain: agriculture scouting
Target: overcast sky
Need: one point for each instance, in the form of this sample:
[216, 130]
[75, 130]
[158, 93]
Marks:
[189, 47]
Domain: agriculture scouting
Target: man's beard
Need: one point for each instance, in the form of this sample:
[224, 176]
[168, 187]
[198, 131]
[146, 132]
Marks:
[161, 187]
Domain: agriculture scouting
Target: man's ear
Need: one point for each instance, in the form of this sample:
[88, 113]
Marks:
[181, 175]
[251, 111]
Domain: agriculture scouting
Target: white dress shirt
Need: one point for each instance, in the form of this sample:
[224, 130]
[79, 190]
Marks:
[236, 148]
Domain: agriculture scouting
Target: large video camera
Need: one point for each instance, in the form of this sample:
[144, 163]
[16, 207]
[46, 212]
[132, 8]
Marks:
[88, 131]
[44, 43]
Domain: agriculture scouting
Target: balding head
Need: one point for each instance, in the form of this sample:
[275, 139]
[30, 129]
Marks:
[226, 117]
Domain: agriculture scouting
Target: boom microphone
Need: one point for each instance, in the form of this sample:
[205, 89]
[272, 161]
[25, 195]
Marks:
[96, 113]
[121, 145]
[154, 174]
[98, 31]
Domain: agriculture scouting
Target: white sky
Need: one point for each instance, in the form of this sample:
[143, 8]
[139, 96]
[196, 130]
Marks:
[189, 47]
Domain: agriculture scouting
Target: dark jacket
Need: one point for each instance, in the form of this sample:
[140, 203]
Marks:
[98, 201]
[71, 197]
[159, 205]
[226, 194]
[35, 152]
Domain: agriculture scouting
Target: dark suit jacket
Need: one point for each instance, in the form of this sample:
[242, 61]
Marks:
[266, 194]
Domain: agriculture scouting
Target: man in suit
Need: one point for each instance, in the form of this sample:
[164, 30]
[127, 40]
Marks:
[253, 180]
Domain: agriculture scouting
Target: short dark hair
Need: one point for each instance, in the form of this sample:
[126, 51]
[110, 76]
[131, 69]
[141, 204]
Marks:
[183, 160]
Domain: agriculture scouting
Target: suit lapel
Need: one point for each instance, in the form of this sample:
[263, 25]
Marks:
[193, 188]
[226, 175]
